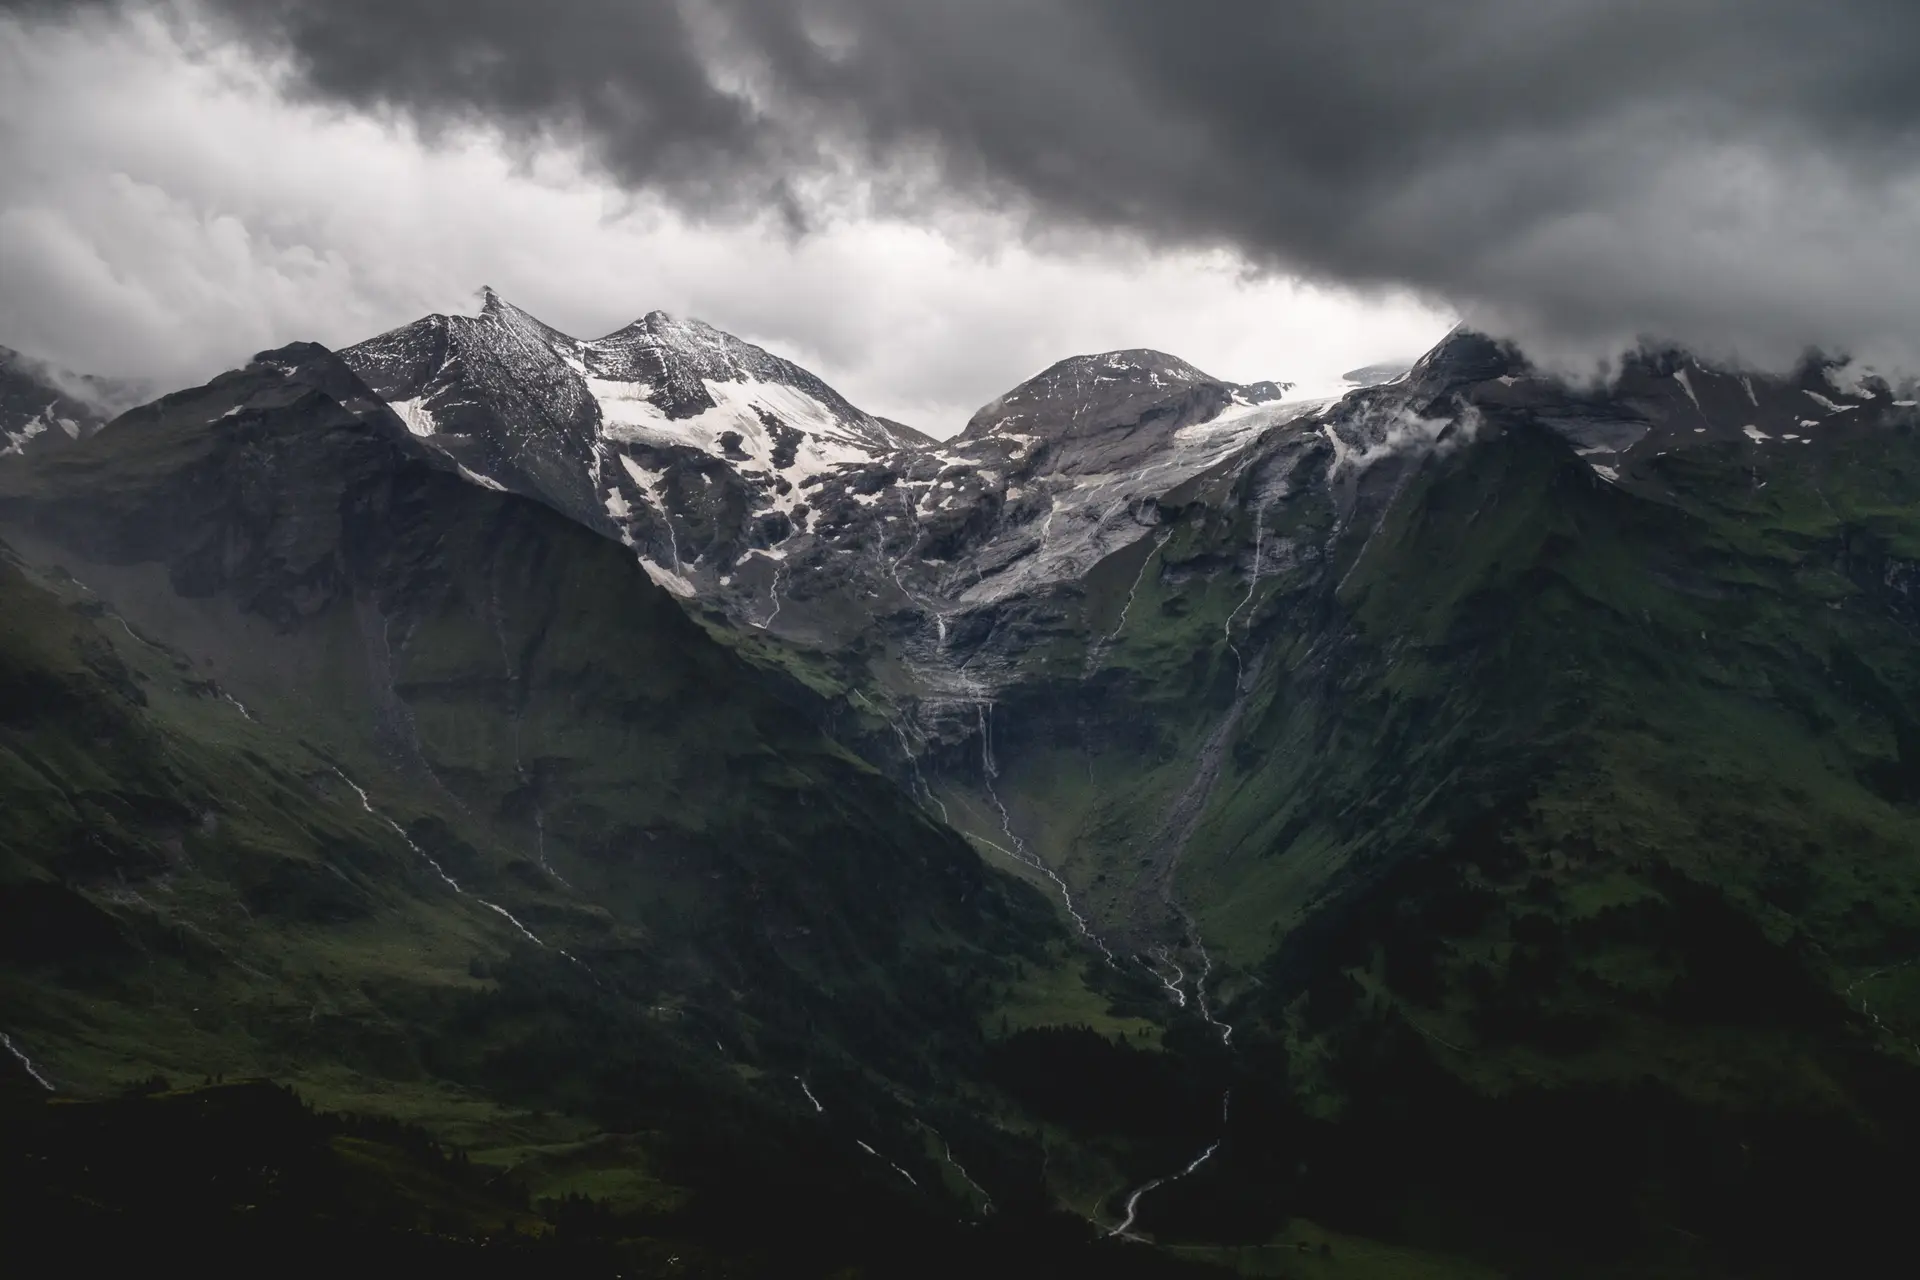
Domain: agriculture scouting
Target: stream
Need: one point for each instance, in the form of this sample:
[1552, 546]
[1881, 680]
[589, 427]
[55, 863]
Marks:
[1125, 1229]
[988, 773]
[20, 1056]
[367, 803]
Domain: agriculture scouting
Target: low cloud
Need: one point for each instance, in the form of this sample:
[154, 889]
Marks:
[167, 211]
[1739, 176]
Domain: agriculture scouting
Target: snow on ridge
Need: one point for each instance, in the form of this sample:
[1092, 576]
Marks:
[1686, 384]
[651, 483]
[1243, 419]
[474, 477]
[32, 427]
[628, 416]
[416, 415]
[667, 578]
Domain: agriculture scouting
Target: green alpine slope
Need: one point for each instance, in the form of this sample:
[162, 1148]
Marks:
[1548, 841]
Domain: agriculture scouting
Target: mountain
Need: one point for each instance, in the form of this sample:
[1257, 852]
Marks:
[1467, 827]
[733, 472]
[1524, 768]
[1477, 742]
[323, 761]
[685, 442]
[42, 407]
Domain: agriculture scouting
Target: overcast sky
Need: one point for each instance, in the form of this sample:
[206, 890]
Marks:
[927, 200]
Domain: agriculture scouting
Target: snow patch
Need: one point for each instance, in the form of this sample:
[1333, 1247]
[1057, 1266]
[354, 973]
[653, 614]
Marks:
[1686, 385]
[1754, 433]
[667, 578]
[417, 416]
[35, 426]
[485, 482]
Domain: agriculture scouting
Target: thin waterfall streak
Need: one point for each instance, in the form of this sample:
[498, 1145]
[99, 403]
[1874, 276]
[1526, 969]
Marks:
[1020, 850]
[946, 1153]
[1125, 1229]
[366, 802]
[1134, 590]
[1161, 955]
[773, 594]
[1253, 584]
[20, 1056]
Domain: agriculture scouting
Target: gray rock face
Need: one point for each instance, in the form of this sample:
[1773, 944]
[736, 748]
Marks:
[691, 446]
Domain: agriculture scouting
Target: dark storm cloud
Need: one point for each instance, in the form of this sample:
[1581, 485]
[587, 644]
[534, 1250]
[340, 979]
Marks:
[1738, 173]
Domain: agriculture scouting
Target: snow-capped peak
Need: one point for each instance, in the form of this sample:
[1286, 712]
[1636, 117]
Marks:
[1113, 390]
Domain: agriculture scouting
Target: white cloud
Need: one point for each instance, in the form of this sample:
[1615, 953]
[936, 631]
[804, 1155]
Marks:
[166, 213]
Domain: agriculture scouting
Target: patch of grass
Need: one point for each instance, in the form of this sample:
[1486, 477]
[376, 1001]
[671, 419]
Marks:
[1306, 1251]
[1056, 993]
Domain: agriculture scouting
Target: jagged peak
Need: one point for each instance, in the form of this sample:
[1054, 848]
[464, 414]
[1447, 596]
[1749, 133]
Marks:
[493, 306]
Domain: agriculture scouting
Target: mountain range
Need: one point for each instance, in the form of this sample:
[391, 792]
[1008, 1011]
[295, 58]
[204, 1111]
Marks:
[1464, 827]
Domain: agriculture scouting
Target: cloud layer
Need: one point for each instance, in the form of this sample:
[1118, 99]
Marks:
[165, 210]
[1737, 175]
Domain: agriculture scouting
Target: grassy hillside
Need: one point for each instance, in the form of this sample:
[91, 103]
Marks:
[1555, 843]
